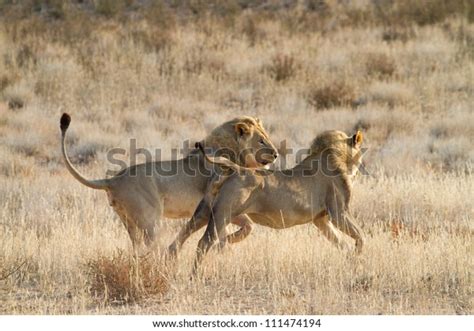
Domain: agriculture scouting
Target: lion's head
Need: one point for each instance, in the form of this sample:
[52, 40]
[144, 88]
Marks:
[342, 152]
[242, 140]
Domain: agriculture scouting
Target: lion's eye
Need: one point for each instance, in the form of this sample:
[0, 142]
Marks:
[261, 142]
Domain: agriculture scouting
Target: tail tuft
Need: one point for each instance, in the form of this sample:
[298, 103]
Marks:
[65, 121]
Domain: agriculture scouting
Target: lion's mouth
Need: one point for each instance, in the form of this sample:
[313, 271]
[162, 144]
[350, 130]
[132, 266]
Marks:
[252, 162]
[268, 160]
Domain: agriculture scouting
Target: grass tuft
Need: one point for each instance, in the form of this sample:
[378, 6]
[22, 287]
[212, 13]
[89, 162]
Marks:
[282, 67]
[332, 94]
[122, 278]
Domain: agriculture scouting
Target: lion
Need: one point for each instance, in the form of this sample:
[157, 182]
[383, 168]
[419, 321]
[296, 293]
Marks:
[317, 190]
[142, 199]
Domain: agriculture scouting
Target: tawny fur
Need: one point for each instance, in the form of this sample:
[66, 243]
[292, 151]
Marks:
[317, 190]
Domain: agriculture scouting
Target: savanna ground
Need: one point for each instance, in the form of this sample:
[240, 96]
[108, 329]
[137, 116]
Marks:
[166, 71]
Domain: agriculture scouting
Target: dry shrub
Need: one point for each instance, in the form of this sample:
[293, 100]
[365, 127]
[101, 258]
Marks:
[455, 124]
[15, 166]
[26, 55]
[55, 9]
[217, 8]
[332, 94]
[199, 62]
[52, 8]
[380, 65]
[362, 283]
[85, 153]
[19, 269]
[320, 15]
[15, 102]
[154, 32]
[151, 39]
[16, 96]
[7, 79]
[51, 79]
[282, 67]
[450, 154]
[403, 13]
[4, 82]
[379, 124]
[391, 94]
[249, 27]
[122, 278]
[10, 268]
[429, 12]
[160, 15]
[109, 8]
[396, 33]
[297, 16]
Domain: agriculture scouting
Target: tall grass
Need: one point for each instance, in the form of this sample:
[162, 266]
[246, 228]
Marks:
[400, 71]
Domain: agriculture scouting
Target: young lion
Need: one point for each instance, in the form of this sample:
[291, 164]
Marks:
[318, 187]
[142, 194]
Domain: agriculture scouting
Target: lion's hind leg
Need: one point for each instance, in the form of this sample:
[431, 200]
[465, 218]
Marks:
[245, 224]
[136, 236]
[140, 218]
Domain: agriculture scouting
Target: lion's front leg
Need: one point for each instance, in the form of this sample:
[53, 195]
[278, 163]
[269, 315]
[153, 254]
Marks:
[338, 210]
[207, 241]
[342, 219]
[329, 231]
[230, 202]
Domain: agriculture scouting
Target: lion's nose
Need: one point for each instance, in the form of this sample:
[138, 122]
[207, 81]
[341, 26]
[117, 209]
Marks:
[275, 154]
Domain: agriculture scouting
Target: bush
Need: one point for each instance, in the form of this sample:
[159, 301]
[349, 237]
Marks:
[283, 67]
[123, 278]
[109, 8]
[379, 64]
[391, 94]
[332, 94]
[6, 80]
[16, 96]
[249, 27]
[434, 11]
[395, 33]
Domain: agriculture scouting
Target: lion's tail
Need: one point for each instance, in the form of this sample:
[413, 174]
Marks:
[220, 160]
[100, 184]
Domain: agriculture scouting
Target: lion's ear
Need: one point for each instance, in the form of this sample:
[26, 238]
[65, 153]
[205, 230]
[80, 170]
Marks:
[357, 139]
[242, 129]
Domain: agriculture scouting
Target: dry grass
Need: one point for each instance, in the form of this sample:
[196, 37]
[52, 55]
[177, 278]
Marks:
[399, 70]
[380, 65]
[332, 94]
[123, 278]
[282, 67]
